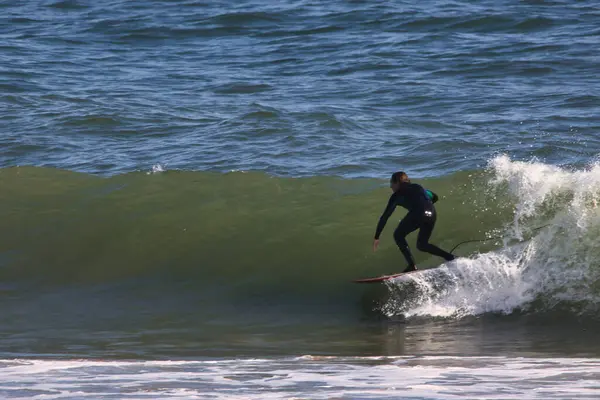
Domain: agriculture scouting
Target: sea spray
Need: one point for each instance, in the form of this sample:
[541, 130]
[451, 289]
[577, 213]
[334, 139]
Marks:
[555, 268]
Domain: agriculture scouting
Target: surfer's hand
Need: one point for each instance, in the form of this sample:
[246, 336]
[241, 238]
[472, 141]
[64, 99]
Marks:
[375, 244]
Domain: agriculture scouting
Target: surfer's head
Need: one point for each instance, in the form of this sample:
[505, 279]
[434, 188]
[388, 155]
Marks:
[398, 178]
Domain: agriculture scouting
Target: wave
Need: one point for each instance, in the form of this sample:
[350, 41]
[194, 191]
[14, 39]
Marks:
[248, 236]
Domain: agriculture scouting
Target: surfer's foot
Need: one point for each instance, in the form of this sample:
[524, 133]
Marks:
[410, 268]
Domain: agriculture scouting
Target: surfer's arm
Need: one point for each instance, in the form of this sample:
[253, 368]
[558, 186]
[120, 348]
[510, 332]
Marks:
[434, 197]
[389, 209]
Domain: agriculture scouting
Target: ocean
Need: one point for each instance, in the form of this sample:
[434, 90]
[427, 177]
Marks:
[189, 188]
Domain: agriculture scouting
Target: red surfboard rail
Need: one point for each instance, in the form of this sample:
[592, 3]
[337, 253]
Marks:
[385, 277]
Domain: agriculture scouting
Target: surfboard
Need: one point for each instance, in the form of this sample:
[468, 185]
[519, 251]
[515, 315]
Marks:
[384, 278]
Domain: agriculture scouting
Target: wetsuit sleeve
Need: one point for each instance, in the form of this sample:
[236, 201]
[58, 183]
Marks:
[389, 209]
[434, 197]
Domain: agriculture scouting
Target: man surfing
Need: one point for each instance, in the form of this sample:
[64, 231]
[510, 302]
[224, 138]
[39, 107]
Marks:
[421, 215]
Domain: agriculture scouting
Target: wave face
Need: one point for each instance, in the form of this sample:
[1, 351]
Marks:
[556, 270]
[248, 238]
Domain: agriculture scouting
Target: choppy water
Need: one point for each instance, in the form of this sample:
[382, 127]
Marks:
[297, 87]
[188, 189]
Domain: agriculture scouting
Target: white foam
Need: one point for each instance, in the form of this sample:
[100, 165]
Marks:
[464, 287]
[305, 377]
[156, 169]
[558, 265]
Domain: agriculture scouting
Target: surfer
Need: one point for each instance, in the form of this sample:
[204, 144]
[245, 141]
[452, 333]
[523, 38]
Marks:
[421, 215]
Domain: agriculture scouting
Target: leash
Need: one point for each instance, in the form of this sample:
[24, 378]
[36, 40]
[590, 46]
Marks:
[492, 238]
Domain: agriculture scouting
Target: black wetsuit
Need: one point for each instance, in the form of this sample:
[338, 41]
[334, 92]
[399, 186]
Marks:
[421, 215]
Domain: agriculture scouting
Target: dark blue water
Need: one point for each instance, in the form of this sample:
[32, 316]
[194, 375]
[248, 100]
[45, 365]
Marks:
[350, 88]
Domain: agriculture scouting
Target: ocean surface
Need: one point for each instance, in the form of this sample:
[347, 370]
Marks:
[188, 189]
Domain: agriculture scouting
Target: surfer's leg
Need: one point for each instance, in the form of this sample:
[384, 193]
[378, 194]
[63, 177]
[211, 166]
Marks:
[427, 225]
[406, 226]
